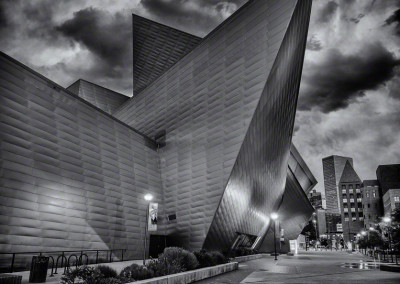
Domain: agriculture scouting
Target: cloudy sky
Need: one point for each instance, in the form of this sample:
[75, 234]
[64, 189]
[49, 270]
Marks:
[349, 100]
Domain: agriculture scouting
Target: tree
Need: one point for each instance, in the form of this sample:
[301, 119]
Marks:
[395, 229]
[309, 230]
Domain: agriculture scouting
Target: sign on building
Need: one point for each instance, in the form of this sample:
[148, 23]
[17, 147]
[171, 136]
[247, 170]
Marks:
[153, 214]
[339, 227]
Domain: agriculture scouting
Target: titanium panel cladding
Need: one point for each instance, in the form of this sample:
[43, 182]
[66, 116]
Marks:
[205, 102]
[71, 177]
[101, 97]
[156, 48]
[257, 182]
[294, 213]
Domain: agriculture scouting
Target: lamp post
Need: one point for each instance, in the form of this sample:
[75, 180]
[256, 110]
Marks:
[148, 197]
[358, 240]
[274, 217]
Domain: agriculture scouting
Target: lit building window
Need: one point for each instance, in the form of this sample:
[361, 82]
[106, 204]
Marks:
[396, 198]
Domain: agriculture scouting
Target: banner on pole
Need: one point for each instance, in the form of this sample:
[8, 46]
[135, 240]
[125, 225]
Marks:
[153, 215]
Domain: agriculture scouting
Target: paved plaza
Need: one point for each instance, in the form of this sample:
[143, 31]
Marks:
[308, 267]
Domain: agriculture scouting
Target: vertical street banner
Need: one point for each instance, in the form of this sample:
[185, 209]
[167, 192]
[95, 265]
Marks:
[153, 214]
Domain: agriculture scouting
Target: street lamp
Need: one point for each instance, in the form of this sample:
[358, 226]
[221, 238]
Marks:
[274, 216]
[148, 197]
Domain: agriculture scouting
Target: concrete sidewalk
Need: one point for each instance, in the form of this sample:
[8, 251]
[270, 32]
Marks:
[309, 267]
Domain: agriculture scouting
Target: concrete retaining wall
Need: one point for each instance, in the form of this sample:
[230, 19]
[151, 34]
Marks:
[193, 275]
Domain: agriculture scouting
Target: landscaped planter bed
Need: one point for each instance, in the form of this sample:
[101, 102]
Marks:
[192, 275]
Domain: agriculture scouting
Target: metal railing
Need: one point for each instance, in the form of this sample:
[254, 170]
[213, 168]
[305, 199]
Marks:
[382, 255]
[63, 261]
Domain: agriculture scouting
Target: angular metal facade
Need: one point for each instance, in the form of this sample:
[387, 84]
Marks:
[71, 177]
[295, 209]
[103, 98]
[205, 103]
[156, 48]
[257, 181]
[74, 176]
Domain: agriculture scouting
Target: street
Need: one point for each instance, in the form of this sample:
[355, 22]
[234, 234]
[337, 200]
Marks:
[309, 267]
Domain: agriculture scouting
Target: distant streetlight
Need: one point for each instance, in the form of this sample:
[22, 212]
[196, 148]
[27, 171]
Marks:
[371, 229]
[148, 197]
[274, 217]
[387, 219]
[363, 233]
[358, 235]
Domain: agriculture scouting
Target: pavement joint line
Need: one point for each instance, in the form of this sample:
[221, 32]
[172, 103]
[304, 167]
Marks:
[337, 273]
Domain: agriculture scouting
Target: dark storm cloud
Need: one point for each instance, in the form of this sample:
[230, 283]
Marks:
[339, 79]
[327, 12]
[313, 43]
[189, 15]
[394, 19]
[357, 19]
[106, 35]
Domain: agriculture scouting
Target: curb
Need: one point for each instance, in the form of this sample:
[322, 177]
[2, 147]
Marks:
[192, 275]
[391, 268]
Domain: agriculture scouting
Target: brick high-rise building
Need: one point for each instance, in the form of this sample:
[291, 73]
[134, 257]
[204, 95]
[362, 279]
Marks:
[351, 202]
[372, 202]
[315, 198]
[389, 187]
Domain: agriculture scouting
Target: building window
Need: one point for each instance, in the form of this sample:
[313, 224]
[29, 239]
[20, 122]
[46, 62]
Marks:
[343, 186]
[396, 198]
[351, 195]
[359, 205]
[346, 215]
[351, 186]
[357, 186]
[368, 194]
[360, 214]
[369, 205]
[344, 196]
[359, 195]
[374, 193]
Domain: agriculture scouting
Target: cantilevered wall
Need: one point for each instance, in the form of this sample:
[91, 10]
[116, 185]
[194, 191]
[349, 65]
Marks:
[71, 176]
[295, 209]
[205, 103]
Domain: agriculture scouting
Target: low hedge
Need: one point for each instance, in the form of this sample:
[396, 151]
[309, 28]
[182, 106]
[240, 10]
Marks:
[172, 260]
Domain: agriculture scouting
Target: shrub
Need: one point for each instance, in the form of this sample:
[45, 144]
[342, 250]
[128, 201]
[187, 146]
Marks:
[185, 259]
[136, 272]
[82, 274]
[107, 271]
[218, 257]
[244, 251]
[211, 258]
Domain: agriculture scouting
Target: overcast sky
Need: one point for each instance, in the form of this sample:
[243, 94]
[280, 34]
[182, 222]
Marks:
[349, 100]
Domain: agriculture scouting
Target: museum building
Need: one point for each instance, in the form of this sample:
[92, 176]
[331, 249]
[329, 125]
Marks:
[207, 133]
